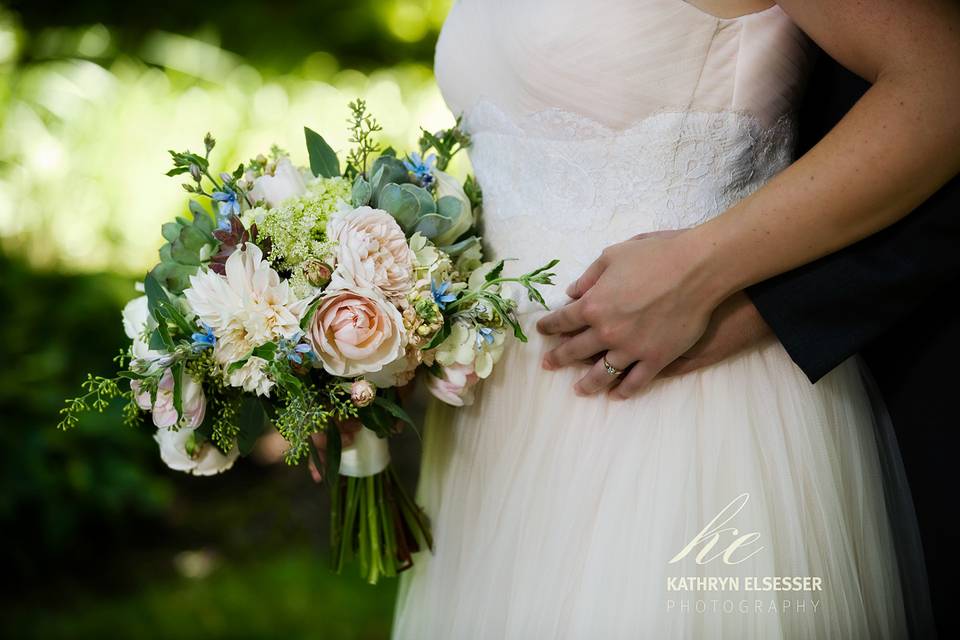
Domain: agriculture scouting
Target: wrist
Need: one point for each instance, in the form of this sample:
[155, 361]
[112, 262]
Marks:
[713, 273]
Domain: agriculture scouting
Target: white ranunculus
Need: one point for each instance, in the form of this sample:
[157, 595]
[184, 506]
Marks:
[247, 307]
[371, 252]
[447, 185]
[137, 322]
[286, 182]
[179, 452]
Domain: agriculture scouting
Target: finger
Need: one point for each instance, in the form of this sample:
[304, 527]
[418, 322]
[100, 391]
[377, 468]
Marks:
[598, 379]
[681, 366]
[579, 347]
[564, 320]
[665, 233]
[314, 472]
[587, 279]
[635, 380]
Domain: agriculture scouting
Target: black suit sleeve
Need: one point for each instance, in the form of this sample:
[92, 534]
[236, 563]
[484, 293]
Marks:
[828, 310]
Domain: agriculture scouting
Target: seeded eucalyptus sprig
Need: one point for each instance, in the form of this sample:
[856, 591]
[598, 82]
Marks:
[362, 128]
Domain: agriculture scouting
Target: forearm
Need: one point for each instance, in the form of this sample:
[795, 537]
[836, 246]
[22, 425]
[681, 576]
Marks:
[895, 148]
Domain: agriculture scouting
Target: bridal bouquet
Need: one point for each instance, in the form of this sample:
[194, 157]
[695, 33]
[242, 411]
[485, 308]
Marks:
[302, 298]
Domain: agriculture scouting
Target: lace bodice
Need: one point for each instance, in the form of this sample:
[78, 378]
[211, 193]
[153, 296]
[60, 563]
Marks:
[591, 126]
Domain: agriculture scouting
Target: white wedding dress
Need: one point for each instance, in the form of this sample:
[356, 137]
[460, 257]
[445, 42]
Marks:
[557, 516]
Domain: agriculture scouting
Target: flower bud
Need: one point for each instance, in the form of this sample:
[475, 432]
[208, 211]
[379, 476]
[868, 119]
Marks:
[318, 273]
[209, 142]
[226, 177]
[362, 393]
[195, 172]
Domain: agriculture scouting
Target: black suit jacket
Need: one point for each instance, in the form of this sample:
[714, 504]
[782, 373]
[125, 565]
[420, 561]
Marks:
[890, 297]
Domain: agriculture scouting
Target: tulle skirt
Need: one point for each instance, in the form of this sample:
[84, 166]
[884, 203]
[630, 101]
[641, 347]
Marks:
[556, 516]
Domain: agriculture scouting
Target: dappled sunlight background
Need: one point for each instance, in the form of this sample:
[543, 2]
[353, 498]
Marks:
[86, 128]
[101, 540]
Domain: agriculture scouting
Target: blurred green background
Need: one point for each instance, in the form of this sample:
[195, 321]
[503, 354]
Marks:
[99, 539]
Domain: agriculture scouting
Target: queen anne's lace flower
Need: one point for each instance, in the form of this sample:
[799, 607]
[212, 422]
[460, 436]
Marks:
[296, 227]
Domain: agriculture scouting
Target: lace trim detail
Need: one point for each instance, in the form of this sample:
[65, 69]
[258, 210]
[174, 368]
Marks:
[559, 184]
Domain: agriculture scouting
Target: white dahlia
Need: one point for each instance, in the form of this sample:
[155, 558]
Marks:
[247, 307]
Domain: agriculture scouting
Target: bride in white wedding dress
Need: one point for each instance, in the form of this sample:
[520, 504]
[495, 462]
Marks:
[559, 516]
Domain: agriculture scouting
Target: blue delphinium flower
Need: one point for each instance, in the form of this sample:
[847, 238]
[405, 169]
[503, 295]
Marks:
[204, 340]
[441, 294]
[294, 350]
[227, 201]
[484, 334]
[422, 168]
[298, 352]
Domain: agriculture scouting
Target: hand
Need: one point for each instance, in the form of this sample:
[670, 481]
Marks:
[348, 428]
[735, 326]
[643, 303]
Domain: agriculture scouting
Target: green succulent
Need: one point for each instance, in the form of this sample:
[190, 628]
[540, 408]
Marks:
[189, 244]
[414, 207]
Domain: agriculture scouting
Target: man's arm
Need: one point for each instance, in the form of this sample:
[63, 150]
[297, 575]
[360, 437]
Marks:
[826, 311]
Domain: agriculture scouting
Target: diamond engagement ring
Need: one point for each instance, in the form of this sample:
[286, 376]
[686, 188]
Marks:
[611, 370]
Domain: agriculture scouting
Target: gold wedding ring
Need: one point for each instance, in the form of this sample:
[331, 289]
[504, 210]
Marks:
[611, 370]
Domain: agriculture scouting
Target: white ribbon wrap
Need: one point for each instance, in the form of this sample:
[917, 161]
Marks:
[367, 456]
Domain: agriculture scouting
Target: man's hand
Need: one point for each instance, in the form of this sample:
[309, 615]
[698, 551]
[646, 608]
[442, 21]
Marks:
[735, 326]
[642, 304]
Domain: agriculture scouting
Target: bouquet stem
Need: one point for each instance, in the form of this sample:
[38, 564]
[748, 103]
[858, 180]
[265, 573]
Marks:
[376, 521]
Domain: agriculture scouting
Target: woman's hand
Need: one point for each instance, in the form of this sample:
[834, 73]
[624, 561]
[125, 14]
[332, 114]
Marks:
[642, 304]
[348, 428]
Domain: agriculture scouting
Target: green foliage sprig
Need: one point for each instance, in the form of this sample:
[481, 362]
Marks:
[362, 128]
[487, 299]
[445, 143]
[100, 392]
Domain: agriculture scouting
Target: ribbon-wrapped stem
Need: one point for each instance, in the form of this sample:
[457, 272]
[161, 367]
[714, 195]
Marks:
[373, 519]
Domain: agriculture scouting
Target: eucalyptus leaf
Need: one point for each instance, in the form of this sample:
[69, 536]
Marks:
[424, 197]
[323, 159]
[393, 170]
[402, 205]
[432, 225]
[456, 250]
[361, 193]
[450, 207]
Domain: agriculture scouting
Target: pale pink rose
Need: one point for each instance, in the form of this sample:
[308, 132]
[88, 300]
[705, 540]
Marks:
[456, 385]
[286, 182]
[399, 372]
[194, 402]
[362, 393]
[372, 252]
[356, 332]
